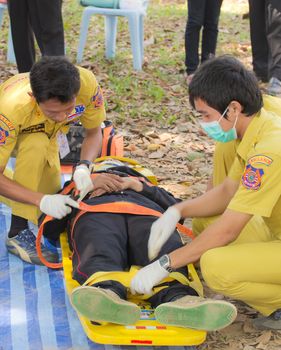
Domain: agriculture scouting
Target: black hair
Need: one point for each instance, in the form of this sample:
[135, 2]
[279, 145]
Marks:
[54, 77]
[224, 79]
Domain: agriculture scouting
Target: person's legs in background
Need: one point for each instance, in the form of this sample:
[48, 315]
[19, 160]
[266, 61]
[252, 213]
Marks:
[210, 30]
[273, 31]
[47, 24]
[44, 19]
[259, 43]
[22, 34]
[195, 20]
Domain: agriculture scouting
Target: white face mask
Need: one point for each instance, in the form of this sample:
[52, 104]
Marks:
[215, 131]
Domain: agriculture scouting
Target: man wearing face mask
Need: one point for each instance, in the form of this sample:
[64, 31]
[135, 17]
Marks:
[223, 159]
[239, 263]
[36, 111]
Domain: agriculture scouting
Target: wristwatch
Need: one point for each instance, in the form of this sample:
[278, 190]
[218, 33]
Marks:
[165, 262]
[84, 162]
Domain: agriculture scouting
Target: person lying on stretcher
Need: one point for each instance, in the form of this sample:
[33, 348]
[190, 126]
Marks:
[107, 241]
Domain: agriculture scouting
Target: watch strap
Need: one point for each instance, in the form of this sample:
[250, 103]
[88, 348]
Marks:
[84, 162]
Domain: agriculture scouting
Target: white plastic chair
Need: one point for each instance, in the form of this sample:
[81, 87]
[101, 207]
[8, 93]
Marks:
[135, 19]
[10, 52]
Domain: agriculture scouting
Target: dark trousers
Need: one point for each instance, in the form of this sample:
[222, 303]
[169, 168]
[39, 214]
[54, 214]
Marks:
[265, 30]
[44, 19]
[114, 242]
[201, 13]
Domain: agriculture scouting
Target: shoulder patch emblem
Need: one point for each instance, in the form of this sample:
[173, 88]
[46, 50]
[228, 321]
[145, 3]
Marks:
[97, 99]
[251, 179]
[79, 110]
[3, 136]
[260, 159]
[6, 122]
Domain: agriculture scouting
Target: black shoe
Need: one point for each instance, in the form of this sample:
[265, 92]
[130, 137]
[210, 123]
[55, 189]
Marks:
[23, 245]
[272, 322]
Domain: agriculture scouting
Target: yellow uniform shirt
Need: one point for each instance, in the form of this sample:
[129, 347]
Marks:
[225, 153]
[20, 114]
[257, 167]
[272, 104]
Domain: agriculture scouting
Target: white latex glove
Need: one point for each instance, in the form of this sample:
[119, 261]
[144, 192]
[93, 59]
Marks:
[83, 181]
[57, 205]
[161, 230]
[147, 277]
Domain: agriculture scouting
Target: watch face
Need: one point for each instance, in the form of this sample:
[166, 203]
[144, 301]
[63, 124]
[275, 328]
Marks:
[165, 263]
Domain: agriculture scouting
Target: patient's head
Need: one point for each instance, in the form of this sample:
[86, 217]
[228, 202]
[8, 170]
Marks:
[107, 164]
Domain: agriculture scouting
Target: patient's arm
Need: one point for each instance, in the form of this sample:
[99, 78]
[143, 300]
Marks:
[104, 183]
[115, 183]
[131, 183]
[157, 194]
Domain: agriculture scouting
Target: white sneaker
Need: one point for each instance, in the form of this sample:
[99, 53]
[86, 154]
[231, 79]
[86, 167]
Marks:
[98, 304]
[197, 313]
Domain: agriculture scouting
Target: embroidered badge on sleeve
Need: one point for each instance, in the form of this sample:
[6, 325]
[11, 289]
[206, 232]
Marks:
[5, 128]
[97, 99]
[79, 110]
[251, 179]
[260, 159]
[3, 136]
[6, 123]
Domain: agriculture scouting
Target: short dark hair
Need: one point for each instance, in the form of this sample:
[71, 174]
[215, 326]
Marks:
[54, 77]
[224, 79]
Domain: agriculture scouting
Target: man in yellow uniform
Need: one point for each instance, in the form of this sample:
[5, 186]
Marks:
[235, 263]
[223, 159]
[36, 111]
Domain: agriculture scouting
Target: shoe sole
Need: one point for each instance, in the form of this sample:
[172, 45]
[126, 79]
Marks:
[21, 253]
[97, 305]
[15, 249]
[208, 316]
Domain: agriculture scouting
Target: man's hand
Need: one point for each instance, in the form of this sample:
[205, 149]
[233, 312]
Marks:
[131, 183]
[106, 183]
[161, 230]
[57, 205]
[147, 277]
[83, 181]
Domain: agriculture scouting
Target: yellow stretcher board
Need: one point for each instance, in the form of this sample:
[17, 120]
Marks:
[146, 332]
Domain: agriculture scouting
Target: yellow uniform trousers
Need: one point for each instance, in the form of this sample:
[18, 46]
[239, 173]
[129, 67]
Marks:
[248, 269]
[37, 168]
